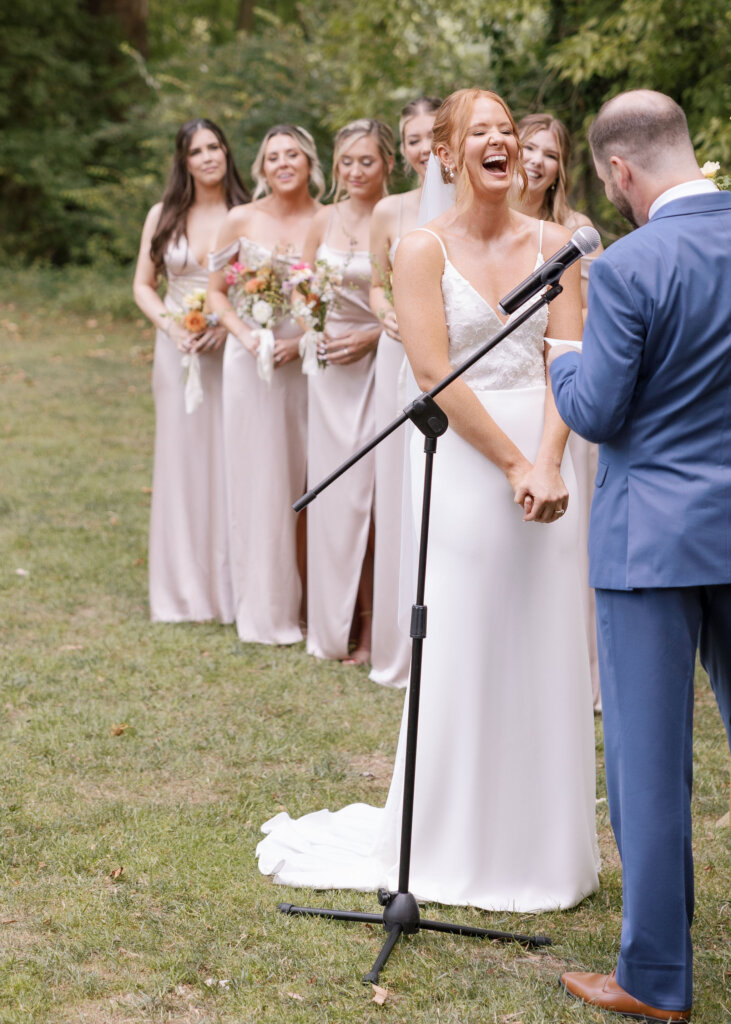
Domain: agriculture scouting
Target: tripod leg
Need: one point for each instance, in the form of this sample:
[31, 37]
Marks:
[392, 939]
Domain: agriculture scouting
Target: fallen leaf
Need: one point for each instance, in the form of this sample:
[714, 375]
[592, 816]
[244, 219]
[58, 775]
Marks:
[380, 995]
[9, 920]
[22, 572]
[92, 323]
[297, 996]
[116, 874]
[117, 730]
[71, 647]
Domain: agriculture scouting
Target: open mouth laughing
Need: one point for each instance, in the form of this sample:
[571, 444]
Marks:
[496, 164]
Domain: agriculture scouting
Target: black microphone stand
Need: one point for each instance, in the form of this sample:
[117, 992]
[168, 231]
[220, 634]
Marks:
[401, 912]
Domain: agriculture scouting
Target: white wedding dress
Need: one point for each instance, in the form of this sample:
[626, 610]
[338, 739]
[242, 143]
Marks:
[504, 812]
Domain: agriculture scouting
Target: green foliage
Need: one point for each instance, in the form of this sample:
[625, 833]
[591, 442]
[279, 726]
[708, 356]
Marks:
[89, 124]
[677, 48]
[65, 88]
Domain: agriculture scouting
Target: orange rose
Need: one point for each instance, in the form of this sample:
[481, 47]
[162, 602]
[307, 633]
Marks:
[195, 321]
[254, 285]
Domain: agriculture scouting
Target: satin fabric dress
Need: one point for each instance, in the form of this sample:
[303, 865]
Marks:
[390, 643]
[189, 569]
[265, 432]
[340, 420]
[504, 811]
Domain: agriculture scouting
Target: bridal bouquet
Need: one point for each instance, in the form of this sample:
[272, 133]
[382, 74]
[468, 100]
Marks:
[312, 293]
[256, 293]
[194, 320]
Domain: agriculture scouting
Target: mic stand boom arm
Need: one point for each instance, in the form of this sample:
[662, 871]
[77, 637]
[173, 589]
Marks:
[401, 914]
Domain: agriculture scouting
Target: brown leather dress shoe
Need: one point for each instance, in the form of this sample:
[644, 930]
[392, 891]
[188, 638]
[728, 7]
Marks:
[603, 991]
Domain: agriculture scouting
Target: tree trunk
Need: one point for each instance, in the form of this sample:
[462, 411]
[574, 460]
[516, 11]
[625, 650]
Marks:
[245, 16]
[132, 16]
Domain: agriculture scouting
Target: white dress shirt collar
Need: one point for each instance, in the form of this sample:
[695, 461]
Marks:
[698, 186]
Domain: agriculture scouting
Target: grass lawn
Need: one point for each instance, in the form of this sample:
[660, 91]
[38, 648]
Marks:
[139, 761]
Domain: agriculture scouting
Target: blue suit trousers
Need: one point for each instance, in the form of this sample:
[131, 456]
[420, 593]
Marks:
[648, 639]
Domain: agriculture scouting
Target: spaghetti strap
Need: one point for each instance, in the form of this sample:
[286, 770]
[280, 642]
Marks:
[329, 224]
[430, 232]
[540, 238]
[400, 216]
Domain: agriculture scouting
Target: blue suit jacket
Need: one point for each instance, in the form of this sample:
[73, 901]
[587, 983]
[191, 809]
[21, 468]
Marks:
[653, 387]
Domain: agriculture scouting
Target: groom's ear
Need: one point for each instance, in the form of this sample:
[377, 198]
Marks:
[621, 172]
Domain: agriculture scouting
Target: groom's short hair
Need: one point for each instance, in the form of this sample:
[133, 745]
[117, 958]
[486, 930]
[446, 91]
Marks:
[644, 126]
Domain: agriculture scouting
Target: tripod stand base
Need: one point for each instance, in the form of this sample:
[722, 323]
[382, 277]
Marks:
[401, 917]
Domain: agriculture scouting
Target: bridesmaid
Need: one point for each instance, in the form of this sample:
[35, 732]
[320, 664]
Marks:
[265, 424]
[393, 217]
[341, 412]
[189, 569]
[546, 147]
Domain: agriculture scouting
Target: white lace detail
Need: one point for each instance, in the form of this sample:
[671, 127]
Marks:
[517, 362]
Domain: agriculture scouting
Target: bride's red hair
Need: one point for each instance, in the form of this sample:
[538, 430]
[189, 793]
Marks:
[451, 125]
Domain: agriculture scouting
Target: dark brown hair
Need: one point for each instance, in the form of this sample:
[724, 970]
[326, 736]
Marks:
[179, 193]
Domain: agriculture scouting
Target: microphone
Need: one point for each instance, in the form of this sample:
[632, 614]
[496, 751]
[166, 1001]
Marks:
[583, 241]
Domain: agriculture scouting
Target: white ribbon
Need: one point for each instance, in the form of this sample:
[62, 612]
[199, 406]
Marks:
[193, 386]
[265, 354]
[562, 341]
[308, 350]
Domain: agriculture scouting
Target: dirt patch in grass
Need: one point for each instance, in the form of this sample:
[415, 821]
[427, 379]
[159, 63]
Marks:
[373, 767]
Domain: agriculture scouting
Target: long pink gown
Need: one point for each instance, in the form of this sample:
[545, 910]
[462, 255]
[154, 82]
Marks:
[390, 644]
[265, 430]
[341, 419]
[189, 570]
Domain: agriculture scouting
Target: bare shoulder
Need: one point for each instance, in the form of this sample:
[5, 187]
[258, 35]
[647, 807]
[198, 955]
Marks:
[153, 216]
[554, 236]
[577, 220]
[321, 217]
[420, 258]
[238, 216]
[421, 243]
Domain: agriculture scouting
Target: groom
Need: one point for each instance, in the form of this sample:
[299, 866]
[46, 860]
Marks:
[653, 387]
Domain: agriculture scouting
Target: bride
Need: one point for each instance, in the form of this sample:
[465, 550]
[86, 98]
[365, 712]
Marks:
[504, 792]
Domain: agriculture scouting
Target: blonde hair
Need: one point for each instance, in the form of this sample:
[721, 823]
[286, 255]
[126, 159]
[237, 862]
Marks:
[555, 205]
[351, 133]
[450, 128]
[306, 143]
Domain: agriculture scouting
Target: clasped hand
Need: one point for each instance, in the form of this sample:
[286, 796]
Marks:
[206, 341]
[347, 349]
[285, 349]
[542, 494]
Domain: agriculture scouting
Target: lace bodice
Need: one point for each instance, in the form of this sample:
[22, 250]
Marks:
[517, 362]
